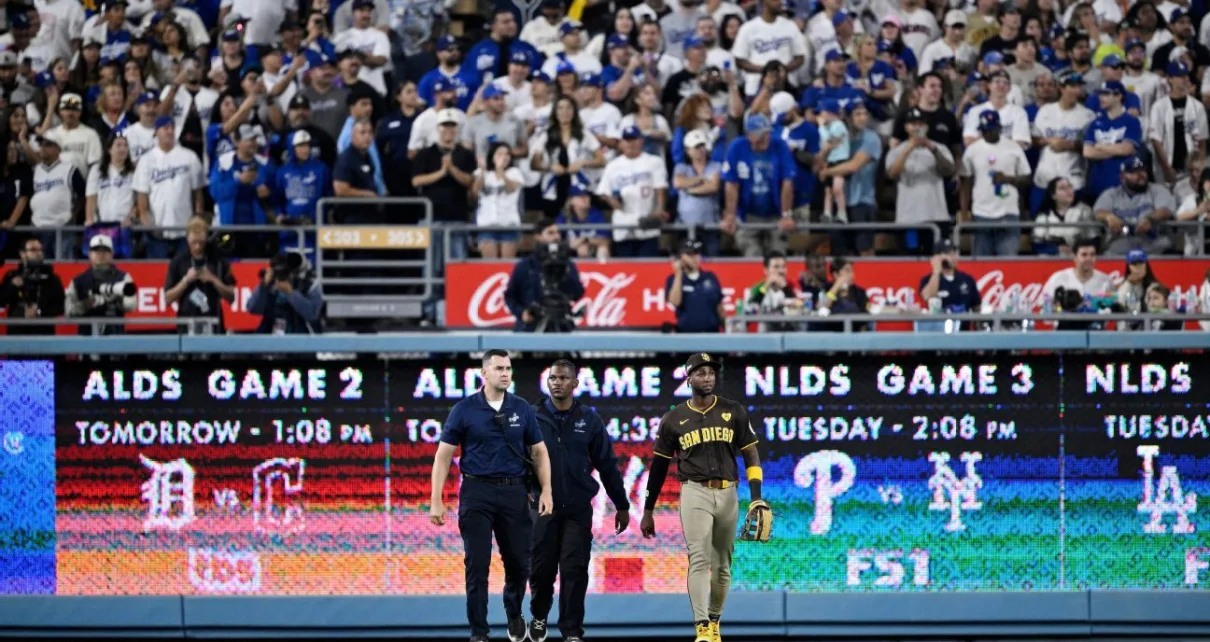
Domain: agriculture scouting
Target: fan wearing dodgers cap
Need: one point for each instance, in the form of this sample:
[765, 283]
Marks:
[140, 135]
[494, 124]
[572, 33]
[449, 68]
[951, 45]
[516, 85]
[13, 87]
[635, 185]
[1113, 68]
[993, 170]
[769, 36]
[834, 84]
[241, 185]
[1114, 135]
[489, 57]
[543, 32]
[579, 210]
[1184, 43]
[921, 167]
[1059, 127]
[1178, 132]
[168, 183]
[1014, 121]
[110, 29]
[758, 177]
[80, 143]
[1132, 210]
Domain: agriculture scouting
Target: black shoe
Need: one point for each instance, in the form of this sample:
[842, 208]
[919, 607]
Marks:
[537, 630]
[517, 630]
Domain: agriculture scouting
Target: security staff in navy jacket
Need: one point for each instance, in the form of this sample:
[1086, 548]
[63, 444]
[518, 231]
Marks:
[499, 437]
[562, 542]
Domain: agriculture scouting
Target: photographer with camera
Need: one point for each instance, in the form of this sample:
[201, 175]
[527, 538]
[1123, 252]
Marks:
[288, 298]
[32, 291]
[200, 279]
[101, 291]
[1073, 288]
[545, 285]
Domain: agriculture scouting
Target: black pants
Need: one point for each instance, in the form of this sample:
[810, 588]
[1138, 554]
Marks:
[562, 544]
[485, 509]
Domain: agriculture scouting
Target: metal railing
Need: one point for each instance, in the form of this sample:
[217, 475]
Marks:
[191, 325]
[358, 284]
[1102, 229]
[65, 234]
[690, 231]
[993, 321]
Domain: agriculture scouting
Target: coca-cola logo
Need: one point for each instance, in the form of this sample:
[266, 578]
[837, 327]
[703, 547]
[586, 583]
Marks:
[603, 305]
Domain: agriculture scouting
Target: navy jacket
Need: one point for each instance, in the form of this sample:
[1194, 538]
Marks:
[472, 425]
[578, 444]
[525, 288]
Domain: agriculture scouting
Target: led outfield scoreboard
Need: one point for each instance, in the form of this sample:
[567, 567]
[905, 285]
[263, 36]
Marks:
[905, 473]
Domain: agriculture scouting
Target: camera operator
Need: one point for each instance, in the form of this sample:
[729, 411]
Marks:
[32, 291]
[101, 291]
[545, 285]
[288, 298]
[200, 279]
[1074, 288]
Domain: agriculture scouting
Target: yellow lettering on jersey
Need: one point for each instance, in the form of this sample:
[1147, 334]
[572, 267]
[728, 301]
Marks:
[708, 434]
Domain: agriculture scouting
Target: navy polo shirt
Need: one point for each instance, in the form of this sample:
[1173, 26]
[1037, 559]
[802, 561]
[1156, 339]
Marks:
[472, 426]
[700, 297]
[958, 294]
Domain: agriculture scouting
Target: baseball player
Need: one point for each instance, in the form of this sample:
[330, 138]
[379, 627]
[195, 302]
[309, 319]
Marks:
[704, 435]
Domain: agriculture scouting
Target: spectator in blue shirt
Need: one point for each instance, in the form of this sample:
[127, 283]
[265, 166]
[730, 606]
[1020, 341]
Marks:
[241, 185]
[115, 37]
[488, 59]
[299, 184]
[874, 77]
[802, 136]
[833, 85]
[1113, 137]
[759, 177]
[1113, 68]
[861, 173]
[462, 80]
[696, 294]
[580, 211]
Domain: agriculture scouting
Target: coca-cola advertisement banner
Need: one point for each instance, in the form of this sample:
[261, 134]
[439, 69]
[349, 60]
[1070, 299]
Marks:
[630, 294]
[150, 276]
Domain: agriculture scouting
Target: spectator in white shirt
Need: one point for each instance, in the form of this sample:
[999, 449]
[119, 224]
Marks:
[109, 193]
[1059, 132]
[1083, 277]
[543, 31]
[1178, 133]
[572, 33]
[370, 42]
[656, 67]
[497, 188]
[64, 19]
[516, 84]
[993, 169]
[424, 130]
[168, 184]
[58, 196]
[951, 45]
[1142, 83]
[635, 185]
[199, 37]
[716, 56]
[767, 37]
[80, 144]
[1013, 120]
[560, 152]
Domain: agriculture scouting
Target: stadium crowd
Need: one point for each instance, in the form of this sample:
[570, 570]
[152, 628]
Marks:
[743, 122]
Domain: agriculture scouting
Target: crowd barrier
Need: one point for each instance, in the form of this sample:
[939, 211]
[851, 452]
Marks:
[749, 616]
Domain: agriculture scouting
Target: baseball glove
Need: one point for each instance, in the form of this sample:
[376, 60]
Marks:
[758, 524]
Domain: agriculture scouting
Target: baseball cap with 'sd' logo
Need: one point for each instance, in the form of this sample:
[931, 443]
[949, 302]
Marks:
[702, 359]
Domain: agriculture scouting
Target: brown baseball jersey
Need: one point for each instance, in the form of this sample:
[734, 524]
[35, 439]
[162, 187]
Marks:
[705, 442]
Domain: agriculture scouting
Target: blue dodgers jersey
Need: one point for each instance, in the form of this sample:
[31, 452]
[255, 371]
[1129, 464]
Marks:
[1106, 174]
[759, 175]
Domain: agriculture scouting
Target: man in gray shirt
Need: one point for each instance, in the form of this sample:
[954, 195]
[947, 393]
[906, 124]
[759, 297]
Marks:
[679, 25]
[328, 107]
[494, 124]
[1132, 210]
[921, 167]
